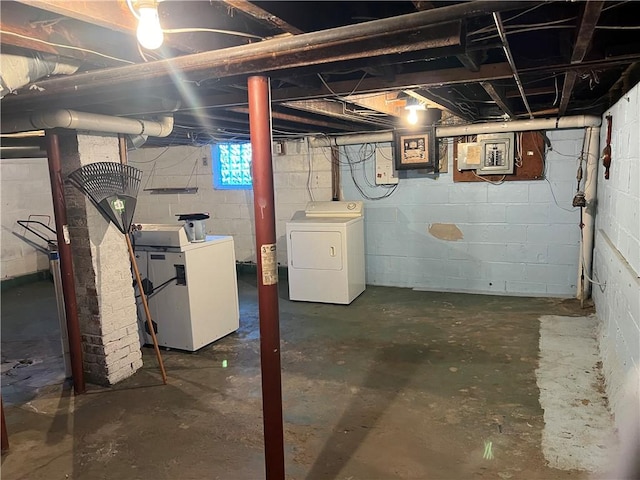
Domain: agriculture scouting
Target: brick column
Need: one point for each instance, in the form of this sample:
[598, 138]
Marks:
[106, 303]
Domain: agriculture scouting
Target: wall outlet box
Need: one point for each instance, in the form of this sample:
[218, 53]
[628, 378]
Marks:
[386, 174]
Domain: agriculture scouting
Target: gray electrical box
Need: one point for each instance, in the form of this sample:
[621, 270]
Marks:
[469, 156]
[497, 154]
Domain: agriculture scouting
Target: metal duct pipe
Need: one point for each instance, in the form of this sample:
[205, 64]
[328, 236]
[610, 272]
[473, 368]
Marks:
[16, 71]
[588, 214]
[577, 121]
[95, 122]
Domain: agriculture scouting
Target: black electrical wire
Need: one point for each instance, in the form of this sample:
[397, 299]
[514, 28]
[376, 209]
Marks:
[159, 287]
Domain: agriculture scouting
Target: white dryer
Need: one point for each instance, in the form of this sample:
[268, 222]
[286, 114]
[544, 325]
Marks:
[325, 250]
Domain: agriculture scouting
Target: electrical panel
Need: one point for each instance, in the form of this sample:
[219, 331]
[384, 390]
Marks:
[386, 174]
[497, 154]
[469, 156]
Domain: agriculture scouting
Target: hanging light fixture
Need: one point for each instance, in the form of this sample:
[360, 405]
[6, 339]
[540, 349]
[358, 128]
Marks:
[413, 105]
[149, 31]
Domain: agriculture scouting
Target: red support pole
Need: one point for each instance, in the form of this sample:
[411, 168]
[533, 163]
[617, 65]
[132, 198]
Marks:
[266, 259]
[66, 263]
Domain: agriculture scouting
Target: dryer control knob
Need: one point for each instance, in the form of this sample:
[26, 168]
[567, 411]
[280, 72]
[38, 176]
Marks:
[351, 205]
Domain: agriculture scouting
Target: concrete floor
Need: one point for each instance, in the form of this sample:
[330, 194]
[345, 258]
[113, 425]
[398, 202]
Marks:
[400, 384]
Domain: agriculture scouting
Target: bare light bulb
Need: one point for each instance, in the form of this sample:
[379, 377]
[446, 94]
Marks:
[413, 116]
[149, 31]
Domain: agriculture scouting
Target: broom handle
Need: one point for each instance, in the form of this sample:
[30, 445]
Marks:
[146, 309]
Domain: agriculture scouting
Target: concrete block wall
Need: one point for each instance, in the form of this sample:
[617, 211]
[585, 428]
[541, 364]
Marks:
[616, 258]
[20, 179]
[106, 304]
[231, 211]
[508, 239]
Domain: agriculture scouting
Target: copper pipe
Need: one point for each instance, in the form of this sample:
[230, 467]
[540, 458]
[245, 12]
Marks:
[265, 224]
[66, 262]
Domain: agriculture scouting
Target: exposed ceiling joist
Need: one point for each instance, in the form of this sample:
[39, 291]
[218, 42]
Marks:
[318, 122]
[588, 22]
[444, 103]
[262, 16]
[378, 37]
[386, 103]
[497, 95]
[24, 27]
[333, 109]
[111, 15]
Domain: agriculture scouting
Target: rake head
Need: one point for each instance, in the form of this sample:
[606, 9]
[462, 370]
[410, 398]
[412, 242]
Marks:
[112, 188]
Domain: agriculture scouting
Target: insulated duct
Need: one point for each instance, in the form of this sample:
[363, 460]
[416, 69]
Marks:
[95, 122]
[16, 71]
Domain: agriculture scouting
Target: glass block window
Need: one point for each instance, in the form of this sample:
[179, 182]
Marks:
[231, 165]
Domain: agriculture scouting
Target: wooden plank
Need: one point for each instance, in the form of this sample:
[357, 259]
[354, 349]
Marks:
[306, 120]
[34, 29]
[588, 22]
[567, 87]
[108, 14]
[262, 16]
[497, 95]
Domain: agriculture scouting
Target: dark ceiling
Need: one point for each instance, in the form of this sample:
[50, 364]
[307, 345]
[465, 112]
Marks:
[335, 67]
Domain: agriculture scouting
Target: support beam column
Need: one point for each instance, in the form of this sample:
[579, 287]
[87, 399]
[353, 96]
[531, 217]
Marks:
[266, 259]
[66, 262]
[106, 304]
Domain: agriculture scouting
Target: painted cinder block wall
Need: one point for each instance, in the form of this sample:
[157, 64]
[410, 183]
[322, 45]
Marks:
[231, 211]
[24, 178]
[616, 258]
[508, 239]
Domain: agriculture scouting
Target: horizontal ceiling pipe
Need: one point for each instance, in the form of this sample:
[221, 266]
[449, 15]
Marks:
[312, 48]
[95, 122]
[577, 121]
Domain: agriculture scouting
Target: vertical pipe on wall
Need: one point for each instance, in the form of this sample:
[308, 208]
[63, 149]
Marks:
[66, 263]
[588, 214]
[335, 173]
[266, 259]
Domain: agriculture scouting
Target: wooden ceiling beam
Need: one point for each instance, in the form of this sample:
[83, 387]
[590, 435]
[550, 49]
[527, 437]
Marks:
[498, 96]
[304, 120]
[444, 103]
[586, 29]
[34, 29]
[108, 14]
[531, 92]
[333, 109]
[116, 16]
[262, 16]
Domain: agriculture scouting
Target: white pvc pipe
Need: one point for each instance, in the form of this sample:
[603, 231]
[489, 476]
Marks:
[588, 214]
[577, 121]
[95, 122]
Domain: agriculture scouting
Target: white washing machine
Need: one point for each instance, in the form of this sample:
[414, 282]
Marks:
[325, 250]
[195, 297]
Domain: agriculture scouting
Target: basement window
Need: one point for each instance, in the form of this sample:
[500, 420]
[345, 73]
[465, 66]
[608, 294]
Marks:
[231, 166]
